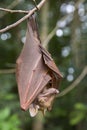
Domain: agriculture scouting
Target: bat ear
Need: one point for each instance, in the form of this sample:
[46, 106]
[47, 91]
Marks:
[33, 110]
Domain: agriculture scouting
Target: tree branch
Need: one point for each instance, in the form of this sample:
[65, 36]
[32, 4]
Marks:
[11, 6]
[23, 18]
[7, 71]
[13, 11]
[65, 91]
[75, 83]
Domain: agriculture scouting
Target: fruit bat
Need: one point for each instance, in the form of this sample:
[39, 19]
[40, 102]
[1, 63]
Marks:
[37, 75]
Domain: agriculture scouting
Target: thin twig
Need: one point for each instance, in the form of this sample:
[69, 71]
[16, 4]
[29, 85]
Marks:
[49, 37]
[13, 11]
[51, 34]
[75, 83]
[11, 6]
[7, 71]
[23, 18]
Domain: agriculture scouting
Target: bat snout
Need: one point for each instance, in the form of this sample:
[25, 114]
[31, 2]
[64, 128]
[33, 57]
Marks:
[56, 91]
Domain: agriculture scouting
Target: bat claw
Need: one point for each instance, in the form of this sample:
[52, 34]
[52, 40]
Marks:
[36, 5]
[44, 111]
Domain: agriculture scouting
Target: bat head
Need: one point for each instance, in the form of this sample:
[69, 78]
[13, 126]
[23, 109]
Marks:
[43, 101]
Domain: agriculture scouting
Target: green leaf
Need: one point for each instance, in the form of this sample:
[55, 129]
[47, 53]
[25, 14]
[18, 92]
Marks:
[4, 114]
[76, 117]
[80, 106]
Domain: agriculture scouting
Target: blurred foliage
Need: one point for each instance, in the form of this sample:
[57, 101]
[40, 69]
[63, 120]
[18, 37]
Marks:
[70, 111]
[78, 114]
[8, 121]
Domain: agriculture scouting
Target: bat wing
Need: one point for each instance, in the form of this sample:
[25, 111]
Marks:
[31, 73]
[56, 75]
[49, 61]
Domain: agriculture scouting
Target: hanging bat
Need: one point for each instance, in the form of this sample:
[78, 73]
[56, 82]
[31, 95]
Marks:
[37, 76]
